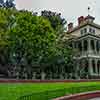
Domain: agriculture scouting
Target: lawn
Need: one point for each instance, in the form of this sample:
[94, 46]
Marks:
[12, 91]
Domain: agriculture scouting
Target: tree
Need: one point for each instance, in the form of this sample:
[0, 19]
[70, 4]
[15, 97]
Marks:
[5, 14]
[57, 22]
[7, 3]
[27, 41]
[32, 40]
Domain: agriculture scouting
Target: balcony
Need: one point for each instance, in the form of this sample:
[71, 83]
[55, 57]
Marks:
[88, 54]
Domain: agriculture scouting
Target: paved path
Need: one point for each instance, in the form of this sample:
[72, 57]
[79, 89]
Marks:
[95, 99]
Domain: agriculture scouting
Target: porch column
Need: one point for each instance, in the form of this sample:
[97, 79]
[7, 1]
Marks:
[95, 46]
[42, 75]
[73, 45]
[25, 75]
[34, 75]
[90, 69]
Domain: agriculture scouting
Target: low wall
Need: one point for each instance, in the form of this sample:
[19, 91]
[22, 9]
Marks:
[45, 81]
[81, 96]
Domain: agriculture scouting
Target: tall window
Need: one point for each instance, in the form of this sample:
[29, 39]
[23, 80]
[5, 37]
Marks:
[82, 32]
[86, 66]
[80, 46]
[97, 46]
[85, 45]
[85, 30]
[90, 30]
[92, 44]
[98, 67]
[93, 66]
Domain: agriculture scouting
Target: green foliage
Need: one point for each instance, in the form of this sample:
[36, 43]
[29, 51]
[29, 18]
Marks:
[32, 36]
[29, 40]
[5, 21]
[57, 22]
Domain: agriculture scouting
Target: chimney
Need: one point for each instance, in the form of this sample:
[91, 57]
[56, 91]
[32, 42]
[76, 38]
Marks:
[70, 26]
[89, 19]
[81, 20]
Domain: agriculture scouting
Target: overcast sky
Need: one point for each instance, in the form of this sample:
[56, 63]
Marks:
[70, 9]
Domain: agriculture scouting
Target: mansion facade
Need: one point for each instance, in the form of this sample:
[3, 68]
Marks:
[85, 38]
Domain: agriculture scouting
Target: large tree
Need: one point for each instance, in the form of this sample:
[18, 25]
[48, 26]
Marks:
[5, 24]
[27, 41]
[32, 39]
[7, 3]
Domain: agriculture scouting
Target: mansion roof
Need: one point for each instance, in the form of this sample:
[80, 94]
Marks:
[85, 21]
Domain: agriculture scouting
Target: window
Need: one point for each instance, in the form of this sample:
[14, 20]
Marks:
[93, 66]
[85, 30]
[81, 32]
[92, 44]
[93, 31]
[97, 46]
[90, 30]
[85, 45]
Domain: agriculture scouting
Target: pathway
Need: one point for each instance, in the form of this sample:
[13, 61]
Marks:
[95, 99]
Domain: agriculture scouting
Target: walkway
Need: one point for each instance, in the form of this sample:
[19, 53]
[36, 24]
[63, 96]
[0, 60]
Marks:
[95, 99]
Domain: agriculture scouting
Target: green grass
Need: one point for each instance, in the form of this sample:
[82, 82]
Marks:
[13, 91]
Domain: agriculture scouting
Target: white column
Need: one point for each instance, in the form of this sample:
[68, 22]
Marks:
[90, 66]
[73, 45]
[25, 75]
[34, 75]
[42, 75]
[89, 45]
[95, 46]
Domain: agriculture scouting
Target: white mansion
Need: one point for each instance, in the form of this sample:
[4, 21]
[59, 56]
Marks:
[85, 37]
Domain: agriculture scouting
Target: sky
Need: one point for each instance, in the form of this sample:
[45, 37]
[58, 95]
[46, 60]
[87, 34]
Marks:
[70, 9]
